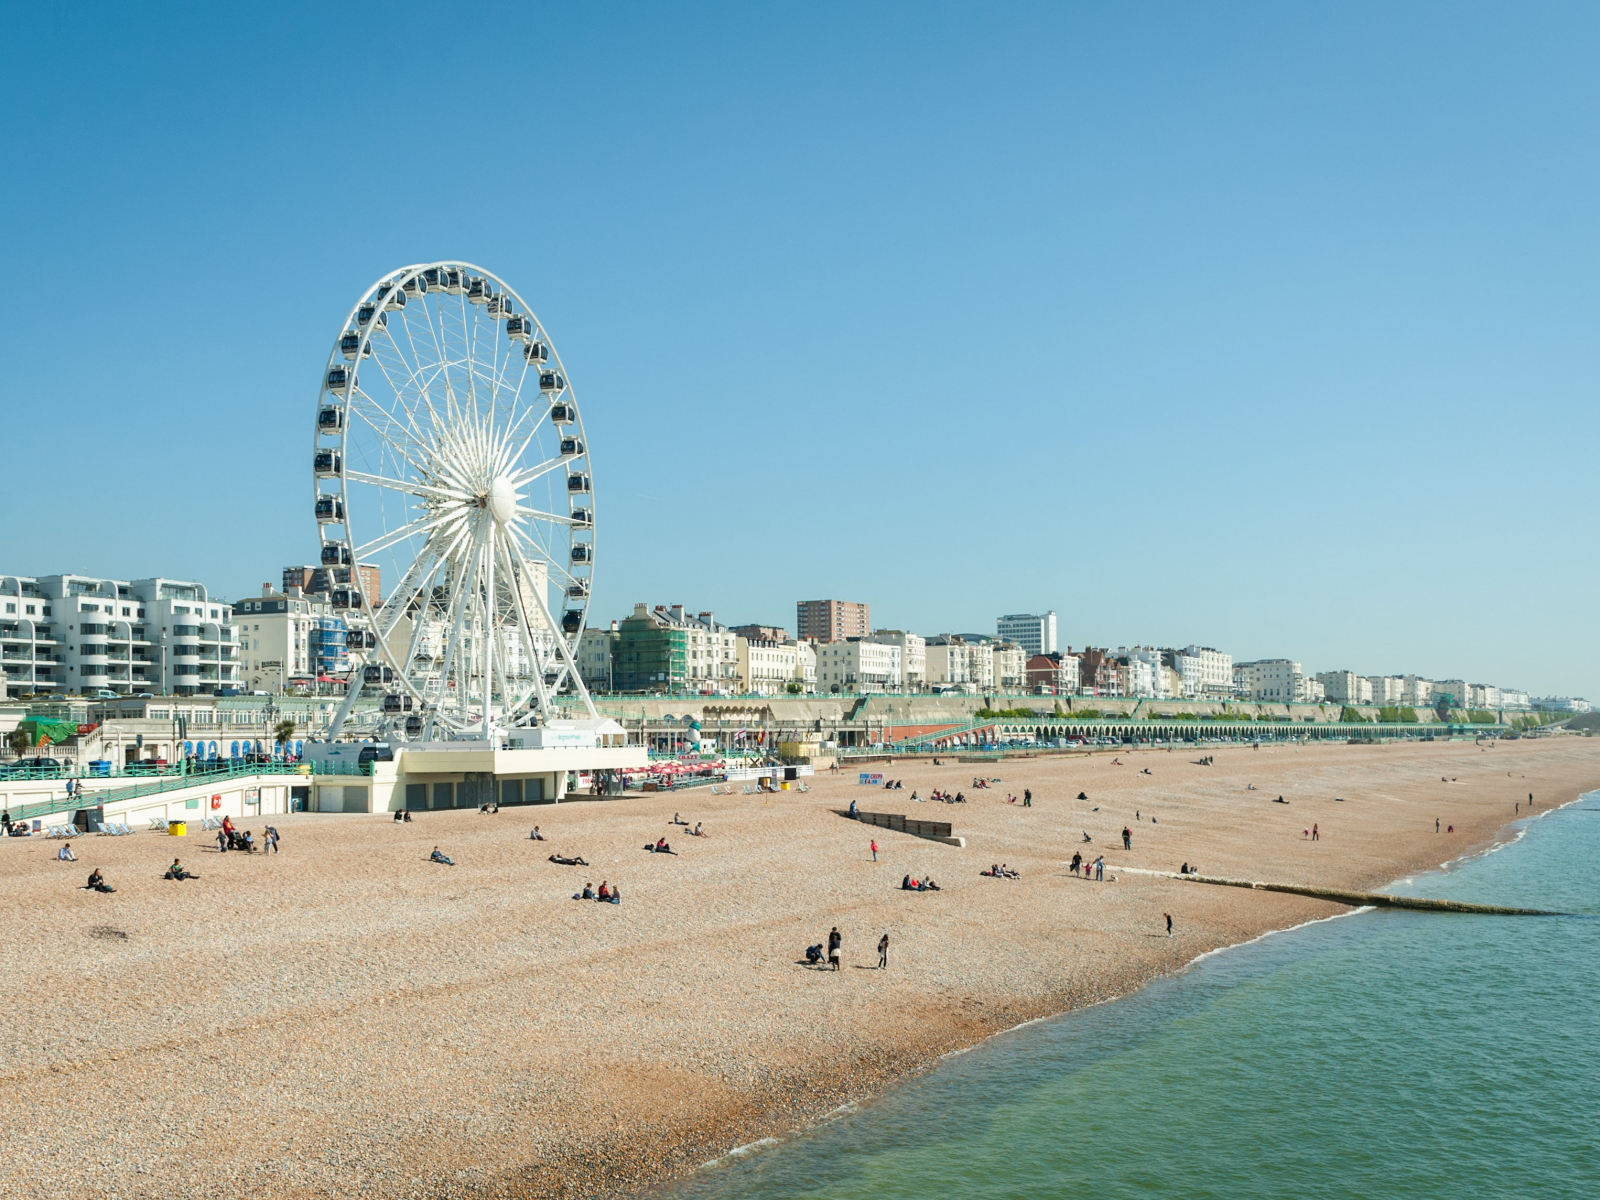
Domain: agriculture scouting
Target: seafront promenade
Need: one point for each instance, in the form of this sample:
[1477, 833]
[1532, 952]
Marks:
[348, 1017]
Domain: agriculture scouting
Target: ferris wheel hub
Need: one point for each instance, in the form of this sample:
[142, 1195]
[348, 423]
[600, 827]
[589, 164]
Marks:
[503, 500]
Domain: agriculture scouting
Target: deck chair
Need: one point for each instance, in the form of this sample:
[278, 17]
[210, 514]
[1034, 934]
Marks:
[103, 830]
[123, 828]
[748, 790]
[158, 824]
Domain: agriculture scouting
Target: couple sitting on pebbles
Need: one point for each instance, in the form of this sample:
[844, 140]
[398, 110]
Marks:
[606, 895]
[1001, 871]
[909, 884]
[660, 847]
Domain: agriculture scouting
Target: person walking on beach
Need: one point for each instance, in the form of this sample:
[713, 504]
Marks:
[874, 849]
[1436, 824]
[1100, 867]
[883, 952]
[835, 942]
[1315, 833]
[1027, 797]
[1168, 916]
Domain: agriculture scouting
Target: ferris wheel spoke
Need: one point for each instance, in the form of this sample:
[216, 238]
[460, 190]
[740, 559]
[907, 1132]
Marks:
[399, 535]
[462, 604]
[552, 518]
[507, 549]
[406, 486]
[528, 474]
[560, 638]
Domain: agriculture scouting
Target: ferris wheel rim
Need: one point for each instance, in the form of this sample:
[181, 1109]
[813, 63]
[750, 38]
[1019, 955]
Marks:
[532, 701]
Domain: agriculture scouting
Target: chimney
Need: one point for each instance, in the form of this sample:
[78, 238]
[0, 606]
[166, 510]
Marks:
[677, 613]
[266, 589]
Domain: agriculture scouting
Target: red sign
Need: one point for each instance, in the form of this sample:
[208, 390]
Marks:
[83, 729]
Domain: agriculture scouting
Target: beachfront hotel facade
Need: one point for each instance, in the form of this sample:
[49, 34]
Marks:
[83, 634]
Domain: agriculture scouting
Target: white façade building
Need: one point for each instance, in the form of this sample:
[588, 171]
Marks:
[1272, 681]
[856, 665]
[1212, 671]
[913, 656]
[1345, 687]
[80, 634]
[1034, 632]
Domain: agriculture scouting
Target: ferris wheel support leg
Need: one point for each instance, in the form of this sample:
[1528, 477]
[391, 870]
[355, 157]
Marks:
[351, 690]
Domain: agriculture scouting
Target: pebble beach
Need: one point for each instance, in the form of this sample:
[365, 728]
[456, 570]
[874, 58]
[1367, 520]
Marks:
[347, 1018]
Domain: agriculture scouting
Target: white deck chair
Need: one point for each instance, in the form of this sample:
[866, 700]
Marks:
[103, 830]
[158, 824]
[123, 828]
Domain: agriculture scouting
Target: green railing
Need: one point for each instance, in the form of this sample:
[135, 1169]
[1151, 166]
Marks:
[156, 785]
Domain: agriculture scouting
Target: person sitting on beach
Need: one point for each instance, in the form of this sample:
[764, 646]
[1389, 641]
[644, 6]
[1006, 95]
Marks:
[97, 882]
[814, 954]
[439, 856]
[960, 799]
[1083, 795]
[661, 847]
[586, 894]
[928, 885]
[178, 871]
[907, 884]
[398, 816]
[677, 820]
[616, 895]
[605, 891]
[698, 830]
[536, 836]
[65, 854]
[408, 816]
[852, 808]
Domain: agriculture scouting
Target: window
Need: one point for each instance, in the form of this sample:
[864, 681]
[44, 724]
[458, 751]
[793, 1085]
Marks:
[141, 611]
[11, 608]
[47, 610]
[125, 610]
[29, 609]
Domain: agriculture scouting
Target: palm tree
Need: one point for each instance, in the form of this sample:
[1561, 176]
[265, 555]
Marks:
[19, 741]
[282, 732]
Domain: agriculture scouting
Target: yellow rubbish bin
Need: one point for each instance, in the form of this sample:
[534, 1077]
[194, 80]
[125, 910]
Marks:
[785, 785]
[177, 828]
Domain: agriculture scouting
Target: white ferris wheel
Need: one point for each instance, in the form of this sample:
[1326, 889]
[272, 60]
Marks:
[450, 456]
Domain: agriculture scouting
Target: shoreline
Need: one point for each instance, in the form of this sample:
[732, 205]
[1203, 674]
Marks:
[369, 1022]
[1520, 825]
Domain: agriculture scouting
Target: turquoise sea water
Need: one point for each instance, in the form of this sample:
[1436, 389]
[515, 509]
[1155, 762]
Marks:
[1382, 1054]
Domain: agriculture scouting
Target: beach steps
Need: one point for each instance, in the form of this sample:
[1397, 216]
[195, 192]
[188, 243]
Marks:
[1356, 899]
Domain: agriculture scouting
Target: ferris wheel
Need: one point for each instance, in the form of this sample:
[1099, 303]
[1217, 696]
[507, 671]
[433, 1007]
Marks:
[450, 458]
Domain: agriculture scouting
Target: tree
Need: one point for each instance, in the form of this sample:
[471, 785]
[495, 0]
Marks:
[282, 732]
[19, 741]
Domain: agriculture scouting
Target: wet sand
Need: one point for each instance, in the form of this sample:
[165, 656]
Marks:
[347, 1018]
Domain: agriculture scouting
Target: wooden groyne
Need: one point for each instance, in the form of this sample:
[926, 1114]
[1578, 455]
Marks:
[1355, 899]
[1374, 899]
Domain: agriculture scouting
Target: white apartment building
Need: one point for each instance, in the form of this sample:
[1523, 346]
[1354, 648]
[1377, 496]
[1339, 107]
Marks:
[1010, 665]
[948, 662]
[596, 658]
[767, 668]
[1387, 689]
[1215, 670]
[1515, 698]
[1034, 632]
[1571, 704]
[79, 634]
[1271, 681]
[1453, 692]
[285, 637]
[1416, 692]
[913, 656]
[806, 665]
[1345, 687]
[1483, 695]
[1139, 676]
[857, 666]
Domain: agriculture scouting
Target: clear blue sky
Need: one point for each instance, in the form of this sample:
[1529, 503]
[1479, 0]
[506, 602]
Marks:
[1272, 327]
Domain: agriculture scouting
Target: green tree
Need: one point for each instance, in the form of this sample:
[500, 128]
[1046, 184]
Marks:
[283, 732]
[19, 742]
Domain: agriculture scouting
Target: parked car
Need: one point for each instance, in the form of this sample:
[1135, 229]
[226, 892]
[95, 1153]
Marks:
[106, 694]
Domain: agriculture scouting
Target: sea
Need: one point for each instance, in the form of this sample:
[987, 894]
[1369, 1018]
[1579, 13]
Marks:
[1382, 1053]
